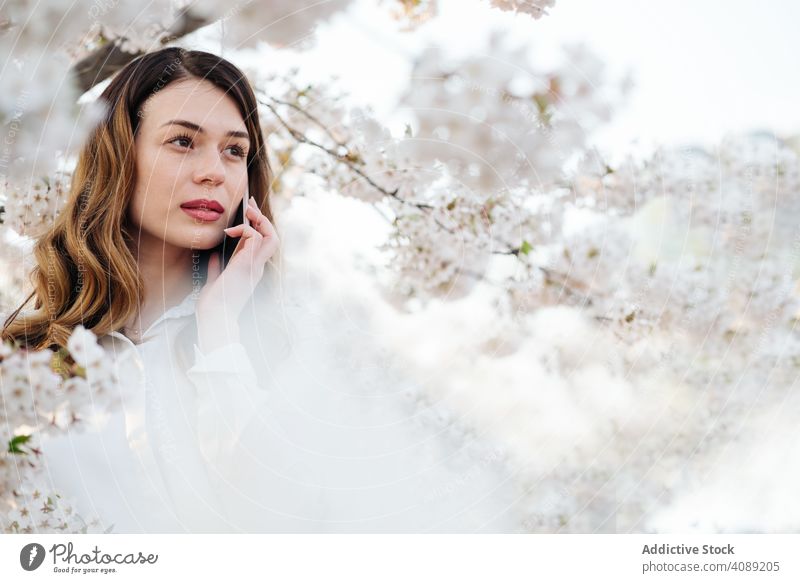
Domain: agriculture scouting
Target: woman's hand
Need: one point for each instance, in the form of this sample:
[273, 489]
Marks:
[226, 293]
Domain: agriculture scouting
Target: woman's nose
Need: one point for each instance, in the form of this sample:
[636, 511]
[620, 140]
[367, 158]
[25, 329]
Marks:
[210, 168]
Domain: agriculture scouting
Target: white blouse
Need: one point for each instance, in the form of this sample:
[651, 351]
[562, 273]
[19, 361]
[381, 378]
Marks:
[141, 468]
[317, 445]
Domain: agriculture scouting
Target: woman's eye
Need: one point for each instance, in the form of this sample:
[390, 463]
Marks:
[238, 151]
[188, 142]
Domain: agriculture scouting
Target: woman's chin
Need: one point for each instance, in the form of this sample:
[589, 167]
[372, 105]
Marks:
[199, 247]
[204, 243]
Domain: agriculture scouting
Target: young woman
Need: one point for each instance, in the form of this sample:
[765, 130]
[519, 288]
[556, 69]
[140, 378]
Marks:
[211, 438]
[136, 256]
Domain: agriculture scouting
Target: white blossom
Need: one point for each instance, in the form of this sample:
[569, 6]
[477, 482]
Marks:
[496, 122]
[35, 508]
[32, 206]
[83, 347]
[611, 326]
[280, 22]
[535, 8]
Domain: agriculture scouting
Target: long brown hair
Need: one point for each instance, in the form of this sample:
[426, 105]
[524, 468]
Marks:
[85, 271]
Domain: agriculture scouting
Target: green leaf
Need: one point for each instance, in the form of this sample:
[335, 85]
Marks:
[59, 363]
[16, 442]
[525, 248]
[541, 102]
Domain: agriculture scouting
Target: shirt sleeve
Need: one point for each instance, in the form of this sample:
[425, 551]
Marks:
[228, 397]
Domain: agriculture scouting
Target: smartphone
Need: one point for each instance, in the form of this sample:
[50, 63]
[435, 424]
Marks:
[229, 244]
[245, 203]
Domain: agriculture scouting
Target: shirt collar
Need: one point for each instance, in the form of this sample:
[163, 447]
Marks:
[185, 308]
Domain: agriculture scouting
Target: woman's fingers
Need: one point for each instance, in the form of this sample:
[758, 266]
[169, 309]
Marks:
[250, 238]
[259, 221]
[264, 242]
[270, 242]
[244, 231]
[235, 231]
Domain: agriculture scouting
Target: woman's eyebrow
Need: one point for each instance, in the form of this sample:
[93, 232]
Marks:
[198, 129]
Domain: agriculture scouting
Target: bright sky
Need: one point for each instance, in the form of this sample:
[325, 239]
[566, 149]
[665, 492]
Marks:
[702, 68]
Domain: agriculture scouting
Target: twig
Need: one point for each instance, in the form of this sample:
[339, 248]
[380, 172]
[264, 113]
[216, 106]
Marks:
[108, 59]
[311, 117]
[347, 160]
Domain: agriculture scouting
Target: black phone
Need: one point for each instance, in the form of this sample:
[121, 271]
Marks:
[229, 244]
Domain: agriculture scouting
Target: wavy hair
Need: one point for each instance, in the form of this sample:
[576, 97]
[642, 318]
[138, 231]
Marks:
[85, 271]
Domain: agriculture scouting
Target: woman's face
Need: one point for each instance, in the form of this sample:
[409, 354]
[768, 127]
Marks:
[191, 151]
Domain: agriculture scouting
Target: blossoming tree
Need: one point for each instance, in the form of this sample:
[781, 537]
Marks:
[635, 310]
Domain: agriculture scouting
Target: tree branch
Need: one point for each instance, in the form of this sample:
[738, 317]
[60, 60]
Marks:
[348, 158]
[108, 59]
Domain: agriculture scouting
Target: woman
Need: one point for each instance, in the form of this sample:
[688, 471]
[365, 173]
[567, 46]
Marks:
[155, 185]
[216, 436]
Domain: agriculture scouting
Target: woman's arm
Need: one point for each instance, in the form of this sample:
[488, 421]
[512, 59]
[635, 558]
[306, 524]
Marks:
[228, 397]
[227, 387]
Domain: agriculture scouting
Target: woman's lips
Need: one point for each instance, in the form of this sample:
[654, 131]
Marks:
[204, 215]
